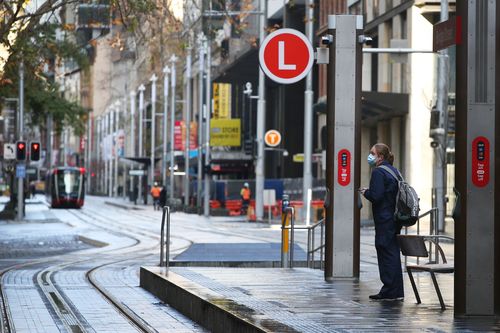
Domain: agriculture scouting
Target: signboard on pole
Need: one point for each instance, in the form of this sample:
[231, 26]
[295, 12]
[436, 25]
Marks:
[447, 33]
[225, 132]
[9, 151]
[21, 171]
[286, 56]
[222, 100]
[272, 138]
[136, 172]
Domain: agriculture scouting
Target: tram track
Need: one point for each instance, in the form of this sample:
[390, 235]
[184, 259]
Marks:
[61, 309]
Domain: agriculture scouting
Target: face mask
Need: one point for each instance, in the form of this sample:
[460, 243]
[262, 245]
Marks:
[372, 160]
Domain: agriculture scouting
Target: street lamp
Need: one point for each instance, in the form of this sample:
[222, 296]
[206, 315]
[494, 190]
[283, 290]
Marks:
[173, 60]
[141, 124]
[153, 80]
[166, 72]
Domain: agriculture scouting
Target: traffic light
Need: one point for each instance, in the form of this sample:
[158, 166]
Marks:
[21, 150]
[35, 151]
[248, 146]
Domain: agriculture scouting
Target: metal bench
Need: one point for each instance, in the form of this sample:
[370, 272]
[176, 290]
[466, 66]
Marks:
[414, 246]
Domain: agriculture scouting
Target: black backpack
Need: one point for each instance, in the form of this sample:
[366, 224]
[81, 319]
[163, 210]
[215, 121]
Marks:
[407, 201]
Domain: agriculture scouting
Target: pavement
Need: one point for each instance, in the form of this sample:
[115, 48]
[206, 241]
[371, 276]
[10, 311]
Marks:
[254, 298]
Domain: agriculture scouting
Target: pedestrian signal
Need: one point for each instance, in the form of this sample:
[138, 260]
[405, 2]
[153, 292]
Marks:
[35, 151]
[21, 150]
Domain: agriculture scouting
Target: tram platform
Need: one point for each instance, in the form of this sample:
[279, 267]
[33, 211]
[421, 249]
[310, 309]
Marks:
[226, 299]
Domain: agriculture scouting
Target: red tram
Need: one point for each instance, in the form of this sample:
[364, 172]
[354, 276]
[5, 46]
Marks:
[65, 187]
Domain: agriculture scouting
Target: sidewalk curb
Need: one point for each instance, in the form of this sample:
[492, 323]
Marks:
[92, 242]
[119, 205]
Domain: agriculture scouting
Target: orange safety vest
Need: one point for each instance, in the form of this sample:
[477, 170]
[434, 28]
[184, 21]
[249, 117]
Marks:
[245, 193]
[155, 192]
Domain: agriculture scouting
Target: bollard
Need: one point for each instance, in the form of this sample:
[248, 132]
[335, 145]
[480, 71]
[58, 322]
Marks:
[165, 241]
[284, 231]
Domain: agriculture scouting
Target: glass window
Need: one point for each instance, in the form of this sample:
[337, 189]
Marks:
[68, 182]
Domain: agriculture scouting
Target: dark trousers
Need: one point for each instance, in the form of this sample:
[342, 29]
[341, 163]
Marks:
[389, 260]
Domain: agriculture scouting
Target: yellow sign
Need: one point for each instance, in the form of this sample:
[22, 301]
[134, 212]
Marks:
[298, 158]
[222, 100]
[225, 132]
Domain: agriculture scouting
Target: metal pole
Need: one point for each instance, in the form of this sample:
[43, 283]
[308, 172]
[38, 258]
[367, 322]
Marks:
[173, 59]
[104, 156]
[88, 150]
[441, 135]
[261, 123]
[20, 181]
[132, 135]
[308, 120]
[188, 126]
[117, 125]
[201, 63]
[153, 129]
[208, 109]
[98, 152]
[166, 73]
[141, 124]
[110, 169]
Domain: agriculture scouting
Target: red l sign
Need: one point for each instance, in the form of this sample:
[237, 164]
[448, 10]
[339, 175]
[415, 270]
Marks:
[286, 56]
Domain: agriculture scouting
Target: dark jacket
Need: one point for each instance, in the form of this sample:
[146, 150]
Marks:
[382, 194]
[163, 197]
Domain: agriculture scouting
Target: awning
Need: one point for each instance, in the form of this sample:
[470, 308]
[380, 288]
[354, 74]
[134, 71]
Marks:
[144, 160]
[376, 106]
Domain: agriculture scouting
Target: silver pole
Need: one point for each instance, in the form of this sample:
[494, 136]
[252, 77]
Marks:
[141, 124]
[208, 113]
[153, 129]
[441, 135]
[20, 181]
[166, 72]
[111, 133]
[88, 150]
[308, 120]
[261, 123]
[173, 60]
[201, 63]
[117, 126]
[98, 153]
[132, 134]
[106, 151]
[188, 126]
[104, 157]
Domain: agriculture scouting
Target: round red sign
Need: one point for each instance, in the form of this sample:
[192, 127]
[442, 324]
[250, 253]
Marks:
[286, 56]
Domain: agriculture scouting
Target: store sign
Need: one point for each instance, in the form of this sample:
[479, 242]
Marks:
[225, 132]
[180, 135]
[222, 100]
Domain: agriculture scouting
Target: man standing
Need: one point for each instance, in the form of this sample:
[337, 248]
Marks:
[245, 198]
[155, 193]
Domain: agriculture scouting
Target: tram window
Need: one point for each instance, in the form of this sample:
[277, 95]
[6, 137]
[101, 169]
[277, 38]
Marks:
[68, 182]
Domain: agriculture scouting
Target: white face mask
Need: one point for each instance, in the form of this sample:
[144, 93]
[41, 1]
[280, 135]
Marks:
[372, 159]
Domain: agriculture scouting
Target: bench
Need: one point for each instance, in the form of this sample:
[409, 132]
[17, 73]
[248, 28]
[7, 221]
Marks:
[414, 246]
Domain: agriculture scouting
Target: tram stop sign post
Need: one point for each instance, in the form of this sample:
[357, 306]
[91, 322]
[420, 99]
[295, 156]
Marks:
[286, 56]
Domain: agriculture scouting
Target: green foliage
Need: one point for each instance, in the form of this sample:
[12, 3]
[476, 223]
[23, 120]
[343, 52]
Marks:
[41, 51]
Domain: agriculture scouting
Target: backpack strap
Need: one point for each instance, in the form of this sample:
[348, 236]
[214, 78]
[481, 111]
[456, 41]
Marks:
[389, 170]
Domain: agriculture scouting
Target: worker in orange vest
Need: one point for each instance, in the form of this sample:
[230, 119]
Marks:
[155, 193]
[245, 198]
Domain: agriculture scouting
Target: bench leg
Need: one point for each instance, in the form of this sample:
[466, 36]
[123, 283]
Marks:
[413, 285]
[436, 286]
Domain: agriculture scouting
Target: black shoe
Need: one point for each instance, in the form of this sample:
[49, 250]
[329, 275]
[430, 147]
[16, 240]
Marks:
[379, 297]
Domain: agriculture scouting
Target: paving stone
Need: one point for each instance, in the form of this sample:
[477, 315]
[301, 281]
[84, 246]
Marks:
[303, 301]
